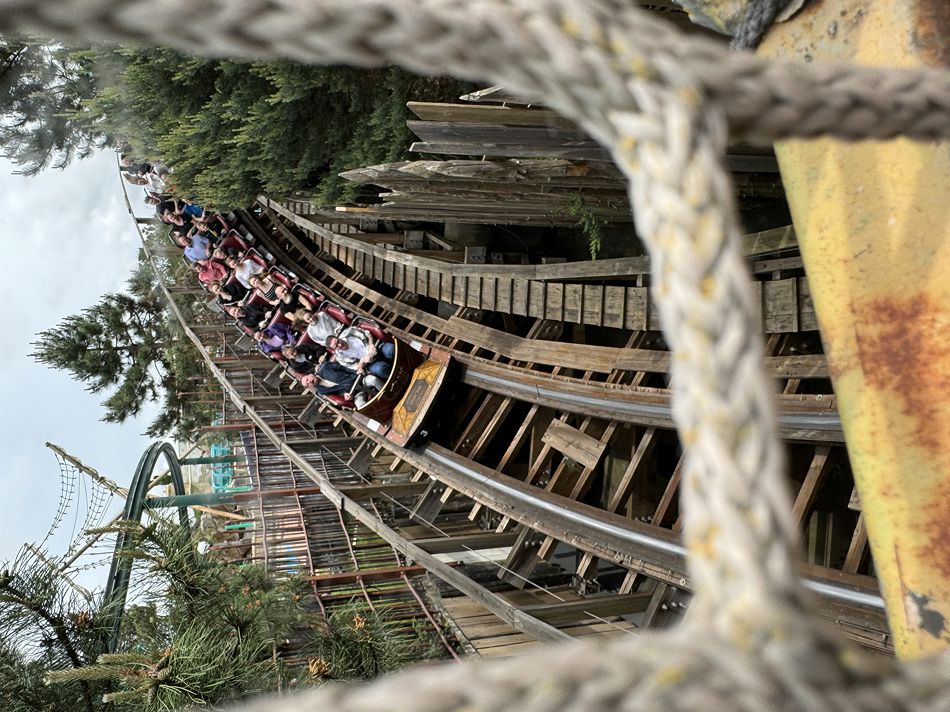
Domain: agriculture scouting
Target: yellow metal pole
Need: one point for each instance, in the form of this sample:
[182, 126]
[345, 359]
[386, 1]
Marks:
[873, 222]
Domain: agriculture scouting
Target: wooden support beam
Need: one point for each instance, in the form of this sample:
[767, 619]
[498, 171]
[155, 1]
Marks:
[517, 442]
[465, 542]
[522, 558]
[814, 477]
[571, 442]
[625, 487]
[858, 547]
[429, 504]
[660, 595]
[663, 506]
[598, 607]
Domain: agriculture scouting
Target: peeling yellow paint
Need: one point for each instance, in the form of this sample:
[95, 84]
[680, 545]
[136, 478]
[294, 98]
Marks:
[873, 223]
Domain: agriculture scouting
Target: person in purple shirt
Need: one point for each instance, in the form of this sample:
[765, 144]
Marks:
[274, 338]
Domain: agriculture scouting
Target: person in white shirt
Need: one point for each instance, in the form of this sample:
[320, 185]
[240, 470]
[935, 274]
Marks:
[321, 326]
[354, 348]
[243, 270]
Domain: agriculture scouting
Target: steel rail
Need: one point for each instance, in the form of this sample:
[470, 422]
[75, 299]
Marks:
[806, 424]
[626, 541]
[616, 404]
[652, 551]
[561, 513]
[611, 403]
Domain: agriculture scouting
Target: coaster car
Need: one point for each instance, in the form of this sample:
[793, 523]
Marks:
[401, 407]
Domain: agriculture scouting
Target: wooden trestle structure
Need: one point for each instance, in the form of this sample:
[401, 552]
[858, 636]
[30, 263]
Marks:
[548, 492]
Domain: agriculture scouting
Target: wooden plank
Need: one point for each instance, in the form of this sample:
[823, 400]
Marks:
[856, 550]
[573, 302]
[473, 292]
[601, 606]
[554, 301]
[447, 291]
[489, 299]
[593, 304]
[587, 151]
[422, 282]
[780, 306]
[625, 487]
[536, 299]
[813, 478]
[488, 113]
[503, 294]
[571, 442]
[519, 297]
[480, 136]
[777, 264]
[584, 478]
[459, 288]
[614, 306]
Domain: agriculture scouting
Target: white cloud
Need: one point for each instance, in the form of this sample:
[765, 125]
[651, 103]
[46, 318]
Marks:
[67, 239]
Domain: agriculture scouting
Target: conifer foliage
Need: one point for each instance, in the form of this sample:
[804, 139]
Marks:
[127, 347]
[43, 88]
[44, 625]
[200, 634]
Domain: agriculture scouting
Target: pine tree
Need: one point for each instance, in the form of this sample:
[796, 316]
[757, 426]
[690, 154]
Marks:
[203, 634]
[43, 88]
[44, 625]
[115, 344]
[129, 348]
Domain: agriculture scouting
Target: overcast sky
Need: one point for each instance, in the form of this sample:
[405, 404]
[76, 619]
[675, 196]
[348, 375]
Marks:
[68, 239]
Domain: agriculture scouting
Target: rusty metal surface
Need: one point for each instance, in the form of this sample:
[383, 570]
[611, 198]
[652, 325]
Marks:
[873, 221]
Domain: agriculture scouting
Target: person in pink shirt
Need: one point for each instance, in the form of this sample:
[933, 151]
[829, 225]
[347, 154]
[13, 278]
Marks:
[211, 271]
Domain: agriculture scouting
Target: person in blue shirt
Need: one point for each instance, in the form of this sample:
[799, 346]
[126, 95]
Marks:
[197, 247]
[196, 212]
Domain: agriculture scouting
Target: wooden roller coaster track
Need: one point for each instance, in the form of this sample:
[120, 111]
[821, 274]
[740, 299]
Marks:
[552, 450]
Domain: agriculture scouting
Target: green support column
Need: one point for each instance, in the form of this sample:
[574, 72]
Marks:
[205, 499]
[220, 460]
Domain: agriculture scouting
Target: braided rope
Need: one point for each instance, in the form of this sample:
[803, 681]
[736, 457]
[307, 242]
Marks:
[494, 39]
[665, 105]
